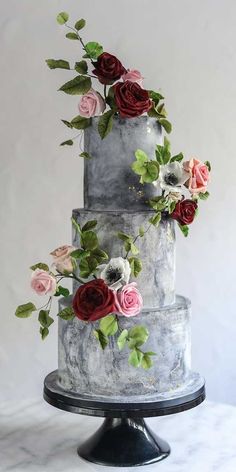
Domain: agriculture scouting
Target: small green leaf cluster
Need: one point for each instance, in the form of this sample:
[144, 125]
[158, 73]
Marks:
[89, 256]
[146, 168]
[45, 322]
[158, 111]
[67, 313]
[133, 338]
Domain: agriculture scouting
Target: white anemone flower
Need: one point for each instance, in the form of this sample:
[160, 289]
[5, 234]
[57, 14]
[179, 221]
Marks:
[115, 273]
[172, 176]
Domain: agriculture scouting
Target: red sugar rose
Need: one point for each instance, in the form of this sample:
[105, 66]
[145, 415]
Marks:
[131, 99]
[93, 300]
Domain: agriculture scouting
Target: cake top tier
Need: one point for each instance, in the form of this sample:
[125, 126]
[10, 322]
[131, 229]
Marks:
[109, 182]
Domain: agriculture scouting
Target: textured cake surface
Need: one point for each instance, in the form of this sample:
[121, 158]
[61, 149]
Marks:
[109, 182]
[85, 368]
[157, 249]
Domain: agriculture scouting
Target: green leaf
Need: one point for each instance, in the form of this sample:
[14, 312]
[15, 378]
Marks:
[81, 67]
[122, 339]
[44, 332]
[41, 266]
[76, 225]
[85, 155]
[208, 164]
[109, 325]
[155, 96]
[105, 123]
[57, 64]
[161, 110]
[93, 50]
[158, 203]
[171, 206]
[84, 268]
[89, 240]
[62, 18]
[152, 172]
[72, 36]
[80, 122]
[147, 362]
[69, 142]
[100, 255]
[67, 313]
[77, 86]
[138, 335]
[124, 236]
[163, 154]
[165, 124]
[89, 225]
[141, 231]
[62, 291]
[135, 358]
[138, 168]
[184, 229]
[134, 249]
[136, 266]
[80, 24]
[155, 220]
[141, 156]
[101, 338]
[44, 319]
[67, 123]
[79, 254]
[25, 311]
[179, 157]
[92, 264]
[153, 113]
[204, 196]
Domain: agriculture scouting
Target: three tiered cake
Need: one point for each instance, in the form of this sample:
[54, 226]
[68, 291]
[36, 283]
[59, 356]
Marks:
[114, 197]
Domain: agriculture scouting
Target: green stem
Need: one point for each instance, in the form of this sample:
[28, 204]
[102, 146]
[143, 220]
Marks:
[135, 239]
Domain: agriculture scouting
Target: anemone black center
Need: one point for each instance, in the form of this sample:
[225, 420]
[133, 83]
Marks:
[171, 179]
[113, 274]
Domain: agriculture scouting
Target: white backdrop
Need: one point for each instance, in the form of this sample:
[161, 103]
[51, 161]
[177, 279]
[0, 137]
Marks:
[187, 49]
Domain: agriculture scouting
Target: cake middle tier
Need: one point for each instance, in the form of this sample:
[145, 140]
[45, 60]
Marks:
[156, 281]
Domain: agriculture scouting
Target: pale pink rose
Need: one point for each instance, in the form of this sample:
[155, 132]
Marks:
[62, 260]
[43, 283]
[129, 301]
[133, 75]
[199, 176]
[91, 104]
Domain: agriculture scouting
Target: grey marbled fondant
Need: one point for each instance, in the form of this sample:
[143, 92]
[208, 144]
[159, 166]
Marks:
[157, 249]
[85, 369]
[109, 182]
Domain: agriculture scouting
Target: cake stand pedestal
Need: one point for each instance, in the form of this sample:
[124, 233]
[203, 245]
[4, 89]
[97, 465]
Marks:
[124, 439]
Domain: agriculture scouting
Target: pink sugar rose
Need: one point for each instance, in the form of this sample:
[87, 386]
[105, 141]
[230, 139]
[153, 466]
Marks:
[129, 301]
[91, 104]
[133, 75]
[199, 176]
[62, 260]
[43, 283]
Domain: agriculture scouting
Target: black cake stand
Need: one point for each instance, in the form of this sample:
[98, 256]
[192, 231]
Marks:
[124, 439]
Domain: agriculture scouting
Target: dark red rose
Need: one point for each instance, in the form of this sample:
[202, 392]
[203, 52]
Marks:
[108, 68]
[131, 99]
[93, 301]
[184, 212]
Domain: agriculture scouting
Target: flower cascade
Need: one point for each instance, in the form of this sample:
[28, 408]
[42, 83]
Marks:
[173, 178]
[105, 86]
[105, 293]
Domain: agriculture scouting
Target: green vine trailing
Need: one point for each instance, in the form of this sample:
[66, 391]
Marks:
[103, 287]
[120, 90]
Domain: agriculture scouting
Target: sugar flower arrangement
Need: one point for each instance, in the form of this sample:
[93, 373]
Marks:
[173, 178]
[122, 94]
[104, 296]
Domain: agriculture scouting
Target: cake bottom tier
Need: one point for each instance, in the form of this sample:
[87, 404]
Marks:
[84, 368]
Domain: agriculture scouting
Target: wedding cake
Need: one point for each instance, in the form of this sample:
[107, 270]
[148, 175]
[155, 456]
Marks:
[124, 335]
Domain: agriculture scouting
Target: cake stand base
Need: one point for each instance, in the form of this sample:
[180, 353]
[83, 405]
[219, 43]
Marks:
[124, 442]
[124, 439]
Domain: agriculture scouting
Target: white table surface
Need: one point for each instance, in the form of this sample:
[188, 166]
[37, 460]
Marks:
[37, 437]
